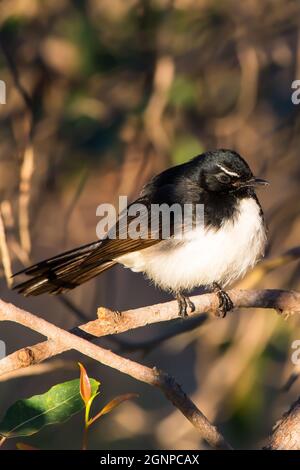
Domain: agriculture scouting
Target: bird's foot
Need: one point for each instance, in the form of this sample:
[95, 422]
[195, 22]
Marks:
[184, 303]
[225, 302]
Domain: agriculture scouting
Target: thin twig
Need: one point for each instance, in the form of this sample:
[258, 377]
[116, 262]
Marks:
[27, 166]
[13, 242]
[147, 345]
[24, 198]
[290, 381]
[154, 377]
[109, 322]
[5, 258]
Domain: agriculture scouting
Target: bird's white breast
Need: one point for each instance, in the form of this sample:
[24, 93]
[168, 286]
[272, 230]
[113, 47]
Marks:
[204, 256]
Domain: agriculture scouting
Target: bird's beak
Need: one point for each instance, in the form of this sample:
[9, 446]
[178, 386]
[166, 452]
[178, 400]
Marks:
[253, 182]
[259, 182]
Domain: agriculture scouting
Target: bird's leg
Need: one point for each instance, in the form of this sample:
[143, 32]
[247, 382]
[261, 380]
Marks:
[191, 304]
[225, 302]
[183, 304]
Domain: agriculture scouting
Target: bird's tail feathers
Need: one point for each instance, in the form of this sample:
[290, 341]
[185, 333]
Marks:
[62, 272]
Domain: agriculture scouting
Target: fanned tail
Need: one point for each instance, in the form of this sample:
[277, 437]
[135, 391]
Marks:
[62, 272]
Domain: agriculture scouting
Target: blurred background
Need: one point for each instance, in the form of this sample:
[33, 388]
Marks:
[101, 95]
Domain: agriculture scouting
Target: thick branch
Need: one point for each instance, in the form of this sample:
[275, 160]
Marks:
[286, 433]
[161, 380]
[108, 322]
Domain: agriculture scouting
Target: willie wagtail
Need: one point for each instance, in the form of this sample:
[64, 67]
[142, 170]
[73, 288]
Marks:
[221, 250]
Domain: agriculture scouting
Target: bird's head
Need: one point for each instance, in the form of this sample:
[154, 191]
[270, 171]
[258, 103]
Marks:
[226, 171]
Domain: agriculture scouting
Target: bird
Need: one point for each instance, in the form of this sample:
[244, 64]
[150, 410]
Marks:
[213, 255]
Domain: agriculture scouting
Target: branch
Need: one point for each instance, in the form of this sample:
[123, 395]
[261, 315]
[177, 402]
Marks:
[172, 390]
[286, 433]
[109, 322]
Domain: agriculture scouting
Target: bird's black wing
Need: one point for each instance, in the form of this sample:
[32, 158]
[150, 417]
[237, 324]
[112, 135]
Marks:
[74, 267]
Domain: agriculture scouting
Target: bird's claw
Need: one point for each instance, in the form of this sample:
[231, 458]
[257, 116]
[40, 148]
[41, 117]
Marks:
[184, 304]
[225, 302]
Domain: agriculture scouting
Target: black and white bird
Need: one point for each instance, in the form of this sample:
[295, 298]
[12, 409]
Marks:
[214, 255]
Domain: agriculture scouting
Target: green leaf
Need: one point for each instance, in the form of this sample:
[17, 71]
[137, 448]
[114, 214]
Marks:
[28, 416]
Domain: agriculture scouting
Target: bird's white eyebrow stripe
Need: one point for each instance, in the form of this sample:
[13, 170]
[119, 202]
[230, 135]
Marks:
[231, 173]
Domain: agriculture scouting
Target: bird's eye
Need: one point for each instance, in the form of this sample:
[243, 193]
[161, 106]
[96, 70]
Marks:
[223, 178]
